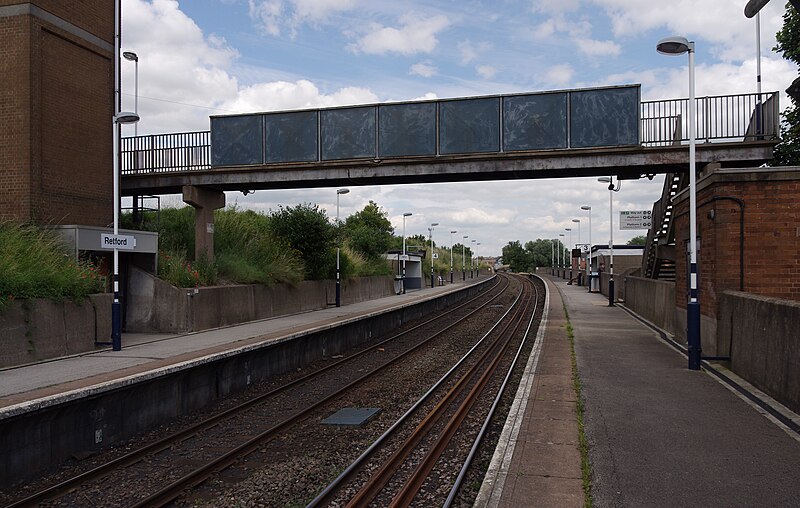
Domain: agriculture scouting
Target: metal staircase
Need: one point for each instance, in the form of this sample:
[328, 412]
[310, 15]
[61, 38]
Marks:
[659, 255]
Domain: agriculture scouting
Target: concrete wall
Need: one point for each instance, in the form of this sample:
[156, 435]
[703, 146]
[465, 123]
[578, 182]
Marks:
[762, 336]
[41, 436]
[38, 329]
[652, 299]
[156, 306]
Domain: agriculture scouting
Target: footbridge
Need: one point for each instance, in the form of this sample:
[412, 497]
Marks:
[570, 133]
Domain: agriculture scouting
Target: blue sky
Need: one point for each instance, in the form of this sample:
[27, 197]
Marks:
[208, 57]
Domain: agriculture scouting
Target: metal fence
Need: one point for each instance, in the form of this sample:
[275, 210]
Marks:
[743, 117]
[166, 153]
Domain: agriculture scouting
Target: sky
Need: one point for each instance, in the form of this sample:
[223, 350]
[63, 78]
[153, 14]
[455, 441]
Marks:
[215, 57]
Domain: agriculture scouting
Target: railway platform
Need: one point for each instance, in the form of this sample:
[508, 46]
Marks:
[658, 434]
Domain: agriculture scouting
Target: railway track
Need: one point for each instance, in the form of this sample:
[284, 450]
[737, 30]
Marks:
[397, 469]
[156, 458]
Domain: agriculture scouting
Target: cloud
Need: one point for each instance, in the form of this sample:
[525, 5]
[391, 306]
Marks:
[270, 16]
[559, 75]
[594, 48]
[417, 34]
[486, 71]
[468, 52]
[302, 94]
[424, 69]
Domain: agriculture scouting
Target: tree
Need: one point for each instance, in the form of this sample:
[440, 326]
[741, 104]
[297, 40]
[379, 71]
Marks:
[307, 230]
[638, 240]
[787, 152]
[369, 231]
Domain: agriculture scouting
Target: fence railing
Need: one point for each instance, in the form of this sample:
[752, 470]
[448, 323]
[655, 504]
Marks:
[742, 117]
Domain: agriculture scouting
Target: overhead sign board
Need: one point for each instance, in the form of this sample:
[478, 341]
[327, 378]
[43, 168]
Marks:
[636, 219]
[121, 242]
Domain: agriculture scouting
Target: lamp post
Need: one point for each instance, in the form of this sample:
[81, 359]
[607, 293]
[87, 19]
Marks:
[578, 221]
[430, 240]
[561, 251]
[471, 264]
[118, 118]
[451, 255]
[679, 46]
[339, 192]
[611, 189]
[552, 257]
[463, 269]
[133, 57]
[407, 214]
[569, 251]
[477, 264]
[589, 253]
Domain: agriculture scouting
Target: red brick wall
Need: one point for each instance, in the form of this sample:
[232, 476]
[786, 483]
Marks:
[56, 98]
[771, 237]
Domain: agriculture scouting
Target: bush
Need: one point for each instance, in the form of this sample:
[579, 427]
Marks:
[34, 264]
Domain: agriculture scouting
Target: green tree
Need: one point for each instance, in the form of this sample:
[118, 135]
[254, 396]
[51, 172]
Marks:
[638, 240]
[306, 229]
[516, 257]
[787, 152]
[369, 232]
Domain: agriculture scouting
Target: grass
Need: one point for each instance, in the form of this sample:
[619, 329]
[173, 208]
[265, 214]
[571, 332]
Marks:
[34, 264]
[586, 469]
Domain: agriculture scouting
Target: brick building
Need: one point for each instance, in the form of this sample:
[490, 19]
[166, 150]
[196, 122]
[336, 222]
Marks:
[748, 229]
[56, 105]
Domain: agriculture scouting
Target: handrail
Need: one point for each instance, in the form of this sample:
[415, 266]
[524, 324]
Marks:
[741, 117]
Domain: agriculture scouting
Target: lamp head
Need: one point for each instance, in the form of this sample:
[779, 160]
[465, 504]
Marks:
[126, 117]
[576, 220]
[586, 207]
[452, 232]
[674, 45]
[130, 55]
[434, 224]
[407, 214]
[342, 191]
[567, 229]
[753, 6]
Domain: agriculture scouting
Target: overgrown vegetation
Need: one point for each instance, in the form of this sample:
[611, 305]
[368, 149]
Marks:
[583, 444]
[34, 264]
[787, 152]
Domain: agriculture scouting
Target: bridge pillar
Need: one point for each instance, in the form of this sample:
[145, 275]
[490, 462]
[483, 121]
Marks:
[204, 201]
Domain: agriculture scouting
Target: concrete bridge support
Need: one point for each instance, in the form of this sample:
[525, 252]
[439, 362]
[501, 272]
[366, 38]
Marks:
[204, 201]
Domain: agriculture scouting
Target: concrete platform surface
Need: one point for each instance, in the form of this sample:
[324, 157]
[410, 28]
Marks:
[53, 380]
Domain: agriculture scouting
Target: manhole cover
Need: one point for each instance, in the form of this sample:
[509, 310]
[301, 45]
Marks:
[354, 416]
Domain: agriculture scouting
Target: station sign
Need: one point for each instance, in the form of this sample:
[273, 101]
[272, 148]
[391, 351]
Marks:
[403, 257]
[121, 242]
[636, 219]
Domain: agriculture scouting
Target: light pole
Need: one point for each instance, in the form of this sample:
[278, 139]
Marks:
[118, 118]
[569, 251]
[451, 255]
[561, 251]
[611, 189]
[578, 221]
[471, 264]
[407, 214]
[430, 240]
[133, 57]
[339, 192]
[589, 253]
[552, 257]
[463, 268]
[679, 46]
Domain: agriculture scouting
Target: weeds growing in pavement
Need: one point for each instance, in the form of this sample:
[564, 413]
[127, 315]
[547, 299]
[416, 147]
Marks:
[586, 469]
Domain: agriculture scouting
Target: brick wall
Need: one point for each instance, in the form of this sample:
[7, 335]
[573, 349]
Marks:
[771, 253]
[56, 104]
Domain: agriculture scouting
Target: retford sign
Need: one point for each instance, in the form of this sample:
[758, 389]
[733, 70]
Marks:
[122, 242]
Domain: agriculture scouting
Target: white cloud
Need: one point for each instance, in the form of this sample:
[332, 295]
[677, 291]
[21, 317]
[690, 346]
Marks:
[591, 47]
[267, 15]
[551, 7]
[424, 69]
[282, 95]
[559, 75]
[417, 34]
[486, 71]
[468, 52]
[271, 15]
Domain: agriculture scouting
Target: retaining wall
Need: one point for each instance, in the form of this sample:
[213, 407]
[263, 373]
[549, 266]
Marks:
[38, 329]
[652, 299]
[761, 334]
[156, 306]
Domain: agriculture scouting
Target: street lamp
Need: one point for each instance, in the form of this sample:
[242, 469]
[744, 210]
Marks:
[451, 255]
[133, 57]
[578, 221]
[430, 240]
[407, 214]
[552, 257]
[569, 250]
[477, 265]
[589, 253]
[561, 251]
[463, 268]
[339, 192]
[611, 189]
[471, 264]
[678, 46]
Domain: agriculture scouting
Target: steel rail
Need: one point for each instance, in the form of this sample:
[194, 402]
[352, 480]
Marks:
[137, 455]
[347, 473]
[190, 480]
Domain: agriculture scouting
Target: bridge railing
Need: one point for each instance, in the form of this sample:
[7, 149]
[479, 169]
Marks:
[166, 153]
[742, 117]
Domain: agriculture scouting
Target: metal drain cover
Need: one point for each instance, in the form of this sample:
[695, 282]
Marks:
[352, 416]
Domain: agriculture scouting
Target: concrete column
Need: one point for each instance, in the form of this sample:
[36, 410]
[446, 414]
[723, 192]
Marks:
[204, 201]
